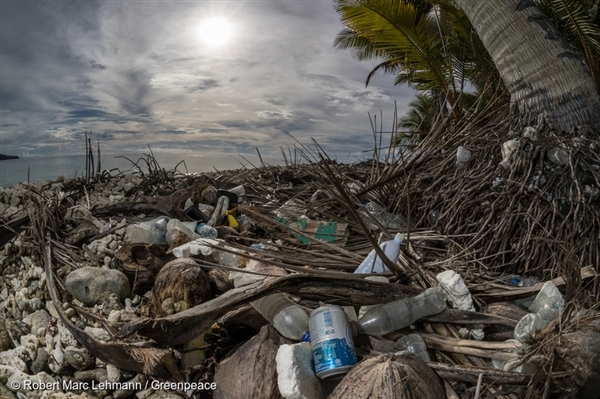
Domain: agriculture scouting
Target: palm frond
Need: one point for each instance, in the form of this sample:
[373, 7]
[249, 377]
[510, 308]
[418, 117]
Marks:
[401, 33]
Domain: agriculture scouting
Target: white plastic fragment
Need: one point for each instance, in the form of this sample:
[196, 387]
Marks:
[462, 156]
[558, 155]
[196, 247]
[456, 289]
[508, 147]
[530, 132]
[295, 373]
[459, 297]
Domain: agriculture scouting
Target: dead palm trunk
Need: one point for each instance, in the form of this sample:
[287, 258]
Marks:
[547, 79]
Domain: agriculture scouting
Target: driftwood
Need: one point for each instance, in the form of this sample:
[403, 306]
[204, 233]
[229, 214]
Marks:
[471, 374]
[9, 229]
[185, 326]
[452, 316]
[490, 350]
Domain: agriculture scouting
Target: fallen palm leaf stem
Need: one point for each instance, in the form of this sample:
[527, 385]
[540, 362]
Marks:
[187, 325]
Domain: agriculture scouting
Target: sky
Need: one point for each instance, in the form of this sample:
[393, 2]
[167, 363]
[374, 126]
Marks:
[139, 73]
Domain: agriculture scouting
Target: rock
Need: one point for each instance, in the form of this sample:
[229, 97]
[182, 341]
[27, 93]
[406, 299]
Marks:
[251, 371]
[6, 393]
[85, 229]
[41, 361]
[5, 340]
[13, 378]
[401, 375]
[112, 373]
[558, 155]
[181, 280]
[98, 374]
[79, 359]
[92, 285]
[164, 395]
[98, 333]
[14, 358]
[123, 393]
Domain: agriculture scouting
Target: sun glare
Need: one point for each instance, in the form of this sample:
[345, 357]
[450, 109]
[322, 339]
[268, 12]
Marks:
[215, 31]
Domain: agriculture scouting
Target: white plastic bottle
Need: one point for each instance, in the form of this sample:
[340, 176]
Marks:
[285, 315]
[392, 316]
[374, 264]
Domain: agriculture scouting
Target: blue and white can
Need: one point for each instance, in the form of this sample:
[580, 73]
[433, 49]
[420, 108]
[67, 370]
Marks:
[331, 341]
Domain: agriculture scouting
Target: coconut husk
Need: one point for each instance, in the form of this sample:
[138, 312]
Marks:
[251, 372]
[141, 263]
[401, 375]
[182, 280]
[579, 352]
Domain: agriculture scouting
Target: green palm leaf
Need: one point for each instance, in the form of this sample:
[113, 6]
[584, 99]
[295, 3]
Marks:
[398, 32]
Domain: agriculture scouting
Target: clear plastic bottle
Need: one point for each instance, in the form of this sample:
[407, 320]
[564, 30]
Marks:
[392, 316]
[373, 263]
[285, 315]
[187, 227]
[228, 258]
[544, 309]
[365, 309]
[415, 344]
[386, 219]
[150, 232]
[526, 282]
[206, 231]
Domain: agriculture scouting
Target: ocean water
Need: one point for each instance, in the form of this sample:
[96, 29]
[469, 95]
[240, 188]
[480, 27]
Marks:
[14, 171]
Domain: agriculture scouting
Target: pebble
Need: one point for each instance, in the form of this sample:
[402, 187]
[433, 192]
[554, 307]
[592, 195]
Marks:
[98, 333]
[98, 374]
[41, 361]
[78, 358]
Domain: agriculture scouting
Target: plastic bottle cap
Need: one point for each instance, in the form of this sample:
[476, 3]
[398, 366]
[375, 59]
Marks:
[305, 336]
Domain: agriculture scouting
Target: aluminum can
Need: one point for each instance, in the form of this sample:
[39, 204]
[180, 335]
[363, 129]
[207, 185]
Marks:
[331, 341]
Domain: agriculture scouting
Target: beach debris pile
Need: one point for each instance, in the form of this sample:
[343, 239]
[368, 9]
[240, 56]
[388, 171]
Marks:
[208, 286]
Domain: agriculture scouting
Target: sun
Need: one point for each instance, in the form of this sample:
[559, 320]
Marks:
[215, 31]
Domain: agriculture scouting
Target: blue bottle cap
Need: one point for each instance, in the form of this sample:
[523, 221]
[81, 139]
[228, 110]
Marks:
[305, 336]
[515, 281]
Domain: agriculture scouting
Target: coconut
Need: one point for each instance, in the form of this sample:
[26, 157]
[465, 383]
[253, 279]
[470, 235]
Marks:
[400, 375]
[181, 280]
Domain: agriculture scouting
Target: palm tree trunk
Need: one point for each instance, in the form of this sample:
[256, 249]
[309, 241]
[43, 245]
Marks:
[547, 79]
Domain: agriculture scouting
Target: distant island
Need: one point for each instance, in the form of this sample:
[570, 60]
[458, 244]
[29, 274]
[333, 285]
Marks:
[4, 157]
